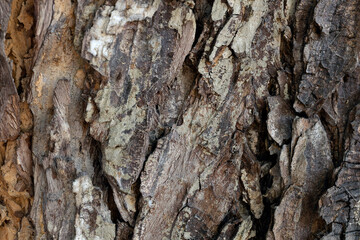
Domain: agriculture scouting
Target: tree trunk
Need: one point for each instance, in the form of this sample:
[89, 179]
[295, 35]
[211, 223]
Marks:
[190, 119]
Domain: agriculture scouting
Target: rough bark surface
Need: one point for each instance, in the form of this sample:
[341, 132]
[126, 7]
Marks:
[191, 119]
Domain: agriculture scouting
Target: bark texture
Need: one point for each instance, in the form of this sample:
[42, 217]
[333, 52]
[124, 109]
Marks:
[191, 119]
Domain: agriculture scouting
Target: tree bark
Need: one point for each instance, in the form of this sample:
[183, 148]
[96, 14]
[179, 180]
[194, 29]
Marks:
[190, 119]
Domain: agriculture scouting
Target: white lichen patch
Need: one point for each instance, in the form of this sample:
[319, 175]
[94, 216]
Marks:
[113, 162]
[155, 43]
[210, 138]
[219, 10]
[121, 131]
[261, 90]
[290, 8]
[244, 232]
[220, 74]
[187, 235]
[245, 35]
[98, 45]
[90, 110]
[195, 119]
[87, 202]
[176, 20]
[357, 212]
[129, 11]
[130, 202]
[235, 5]
[195, 187]
[124, 118]
[253, 193]
[226, 35]
[256, 67]
[102, 100]
[180, 16]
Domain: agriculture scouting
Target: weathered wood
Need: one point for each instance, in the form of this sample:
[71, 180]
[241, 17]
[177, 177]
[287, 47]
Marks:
[340, 206]
[9, 99]
[220, 119]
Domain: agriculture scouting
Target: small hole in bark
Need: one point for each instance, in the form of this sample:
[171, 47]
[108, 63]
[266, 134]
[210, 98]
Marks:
[157, 109]
[20, 26]
[170, 54]
[20, 89]
[154, 79]
[266, 183]
[273, 87]
[180, 121]
[302, 115]
[317, 29]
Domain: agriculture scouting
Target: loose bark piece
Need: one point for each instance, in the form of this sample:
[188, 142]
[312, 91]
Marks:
[279, 120]
[311, 165]
[339, 206]
[9, 100]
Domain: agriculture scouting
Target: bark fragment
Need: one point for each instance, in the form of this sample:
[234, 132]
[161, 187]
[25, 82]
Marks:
[339, 206]
[310, 169]
[9, 100]
[93, 220]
